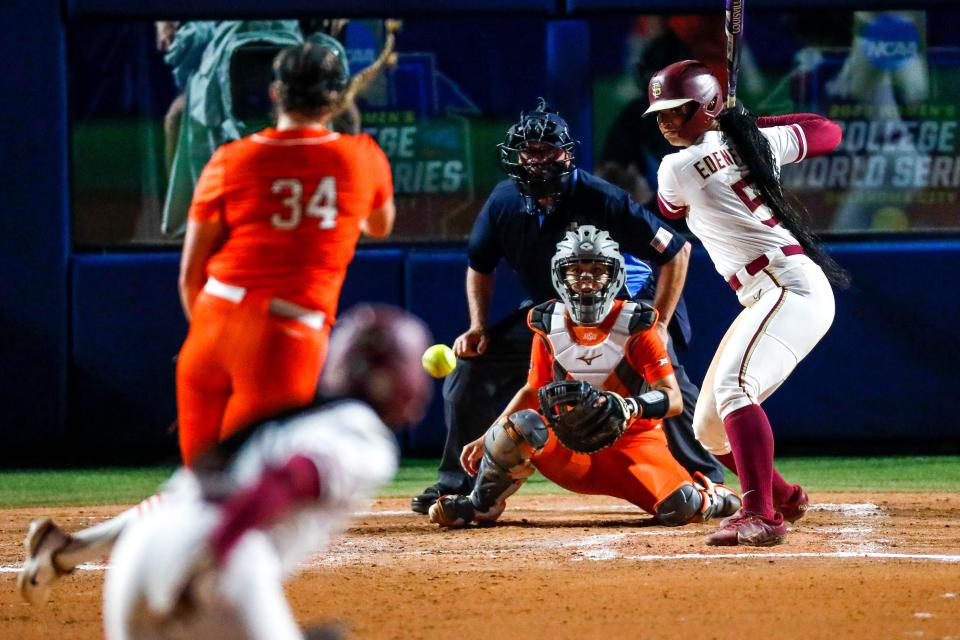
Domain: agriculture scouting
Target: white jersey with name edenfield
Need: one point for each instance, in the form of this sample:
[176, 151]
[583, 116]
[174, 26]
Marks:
[707, 183]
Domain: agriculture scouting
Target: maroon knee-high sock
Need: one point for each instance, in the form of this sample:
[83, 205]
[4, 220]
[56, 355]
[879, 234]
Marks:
[782, 490]
[751, 440]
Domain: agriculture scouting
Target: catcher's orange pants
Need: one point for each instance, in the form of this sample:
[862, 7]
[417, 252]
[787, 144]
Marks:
[242, 362]
[637, 468]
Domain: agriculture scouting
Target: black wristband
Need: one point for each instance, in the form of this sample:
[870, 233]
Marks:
[653, 404]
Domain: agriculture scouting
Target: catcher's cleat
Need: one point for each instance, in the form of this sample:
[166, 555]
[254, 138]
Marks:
[796, 506]
[422, 503]
[748, 529]
[452, 511]
[40, 570]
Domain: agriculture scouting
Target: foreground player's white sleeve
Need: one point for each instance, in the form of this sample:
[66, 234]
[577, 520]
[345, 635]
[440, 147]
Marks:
[355, 455]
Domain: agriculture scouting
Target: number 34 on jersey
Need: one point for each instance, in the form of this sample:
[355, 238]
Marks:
[322, 204]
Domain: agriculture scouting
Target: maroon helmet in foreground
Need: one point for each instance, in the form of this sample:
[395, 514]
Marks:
[374, 356]
[683, 82]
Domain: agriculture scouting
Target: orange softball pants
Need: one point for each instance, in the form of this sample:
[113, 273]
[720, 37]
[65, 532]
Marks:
[637, 468]
[242, 362]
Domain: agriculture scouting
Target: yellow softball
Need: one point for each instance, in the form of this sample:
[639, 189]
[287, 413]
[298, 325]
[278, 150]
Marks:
[439, 360]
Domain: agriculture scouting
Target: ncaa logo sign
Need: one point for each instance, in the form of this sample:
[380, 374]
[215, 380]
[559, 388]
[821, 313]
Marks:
[889, 42]
[656, 89]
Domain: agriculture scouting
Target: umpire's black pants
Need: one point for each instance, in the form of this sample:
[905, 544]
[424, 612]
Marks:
[479, 389]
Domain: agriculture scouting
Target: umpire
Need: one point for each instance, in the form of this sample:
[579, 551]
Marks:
[522, 221]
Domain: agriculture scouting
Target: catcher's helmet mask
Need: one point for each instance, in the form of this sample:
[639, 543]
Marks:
[588, 245]
[538, 153]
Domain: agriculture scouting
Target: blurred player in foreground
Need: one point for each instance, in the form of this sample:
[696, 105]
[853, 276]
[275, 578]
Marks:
[725, 182]
[605, 383]
[211, 560]
[273, 226]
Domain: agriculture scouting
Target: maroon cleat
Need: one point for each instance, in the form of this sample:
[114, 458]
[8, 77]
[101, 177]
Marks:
[796, 506]
[748, 529]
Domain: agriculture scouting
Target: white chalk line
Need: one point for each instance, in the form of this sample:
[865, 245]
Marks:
[602, 554]
[855, 509]
[86, 566]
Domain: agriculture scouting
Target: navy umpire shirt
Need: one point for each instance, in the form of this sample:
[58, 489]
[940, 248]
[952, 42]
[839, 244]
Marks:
[505, 230]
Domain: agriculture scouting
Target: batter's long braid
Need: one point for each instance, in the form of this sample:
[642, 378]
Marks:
[740, 129]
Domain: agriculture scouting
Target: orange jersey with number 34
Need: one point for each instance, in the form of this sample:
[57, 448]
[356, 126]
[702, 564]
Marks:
[292, 203]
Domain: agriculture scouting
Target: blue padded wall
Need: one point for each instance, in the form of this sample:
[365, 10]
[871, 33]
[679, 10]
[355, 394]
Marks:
[33, 227]
[435, 291]
[375, 275]
[889, 334]
[127, 327]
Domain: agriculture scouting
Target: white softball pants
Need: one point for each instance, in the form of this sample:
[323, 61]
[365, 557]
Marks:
[788, 309]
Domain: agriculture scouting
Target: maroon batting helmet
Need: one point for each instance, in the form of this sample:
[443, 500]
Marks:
[682, 82]
[374, 356]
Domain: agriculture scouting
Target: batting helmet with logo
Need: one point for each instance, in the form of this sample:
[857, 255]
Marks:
[683, 82]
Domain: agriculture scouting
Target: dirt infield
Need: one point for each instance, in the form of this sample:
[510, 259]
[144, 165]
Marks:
[874, 566]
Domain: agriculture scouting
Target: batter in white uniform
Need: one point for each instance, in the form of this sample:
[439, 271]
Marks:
[726, 184]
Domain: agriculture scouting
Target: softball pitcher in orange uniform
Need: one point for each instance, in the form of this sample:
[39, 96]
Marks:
[273, 225]
[613, 346]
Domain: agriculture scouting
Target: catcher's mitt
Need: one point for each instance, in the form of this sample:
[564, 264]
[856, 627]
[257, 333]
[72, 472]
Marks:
[584, 419]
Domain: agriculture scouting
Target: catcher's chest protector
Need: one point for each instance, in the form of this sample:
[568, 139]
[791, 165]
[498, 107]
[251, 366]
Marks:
[604, 365]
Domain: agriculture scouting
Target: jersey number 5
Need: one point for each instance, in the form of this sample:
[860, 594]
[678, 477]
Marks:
[322, 204]
[754, 201]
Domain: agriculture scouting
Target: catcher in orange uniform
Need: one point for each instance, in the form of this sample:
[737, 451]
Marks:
[274, 223]
[603, 382]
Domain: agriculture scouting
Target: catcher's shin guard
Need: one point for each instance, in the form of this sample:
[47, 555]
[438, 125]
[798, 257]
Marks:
[680, 507]
[507, 449]
[698, 502]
